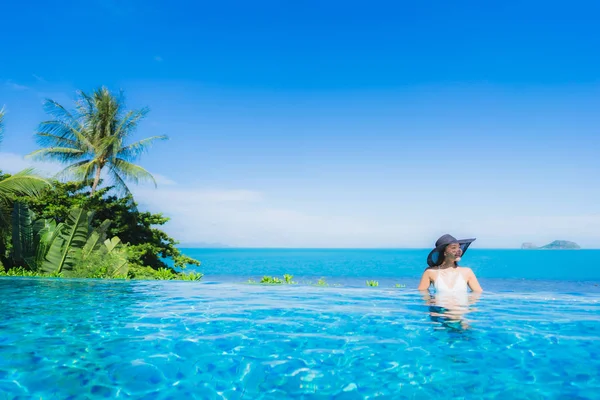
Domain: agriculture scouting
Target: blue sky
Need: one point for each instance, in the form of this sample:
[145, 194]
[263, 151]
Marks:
[334, 124]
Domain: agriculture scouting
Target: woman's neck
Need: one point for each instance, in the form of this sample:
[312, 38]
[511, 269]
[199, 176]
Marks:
[446, 265]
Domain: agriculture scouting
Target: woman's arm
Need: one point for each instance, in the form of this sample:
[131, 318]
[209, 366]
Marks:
[473, 282]
[425, 280]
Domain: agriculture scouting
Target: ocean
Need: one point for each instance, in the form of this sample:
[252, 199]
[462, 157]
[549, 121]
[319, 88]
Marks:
[498, 269]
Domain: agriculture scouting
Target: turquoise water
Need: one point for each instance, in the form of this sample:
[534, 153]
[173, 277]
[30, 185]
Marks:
[221, 339]
[354, 266]
[183, 340]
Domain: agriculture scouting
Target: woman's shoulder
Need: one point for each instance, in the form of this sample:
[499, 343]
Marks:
[465, 270]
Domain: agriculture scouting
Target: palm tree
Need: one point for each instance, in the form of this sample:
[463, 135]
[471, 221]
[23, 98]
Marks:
[92, 139]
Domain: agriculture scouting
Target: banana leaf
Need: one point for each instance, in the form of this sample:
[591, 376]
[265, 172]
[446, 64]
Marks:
[95, 240]
[65, 248]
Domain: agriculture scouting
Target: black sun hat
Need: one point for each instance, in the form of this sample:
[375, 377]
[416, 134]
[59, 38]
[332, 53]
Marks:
[436, 256]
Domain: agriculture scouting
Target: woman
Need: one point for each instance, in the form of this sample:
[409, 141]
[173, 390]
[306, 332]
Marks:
[443, 271]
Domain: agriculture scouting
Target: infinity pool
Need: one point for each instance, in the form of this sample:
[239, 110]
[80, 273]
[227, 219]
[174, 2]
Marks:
[63, 339]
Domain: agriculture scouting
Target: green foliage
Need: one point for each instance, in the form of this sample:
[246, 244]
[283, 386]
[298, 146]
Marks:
[321, 282]
[273, 280]
[164, 274]
[398, 285]
[65, 246]
[20, 271]
[23, 241]
[100, 265]
[92, 138]
[147, 245]
[372, 283]
[190, 276]
[72, 247]
[23, 183]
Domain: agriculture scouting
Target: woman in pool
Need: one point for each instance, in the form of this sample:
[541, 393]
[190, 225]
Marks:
[443, 271]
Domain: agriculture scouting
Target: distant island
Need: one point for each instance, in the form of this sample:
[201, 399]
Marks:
[555, 245]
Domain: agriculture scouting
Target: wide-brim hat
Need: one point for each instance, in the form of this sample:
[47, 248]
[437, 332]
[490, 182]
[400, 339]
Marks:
[436, 256]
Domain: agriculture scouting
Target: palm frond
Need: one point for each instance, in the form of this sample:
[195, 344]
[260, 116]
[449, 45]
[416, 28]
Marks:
[62, 154]
[84, 105]
[134, 150]
[59, 112]
[118, 183]
[25, 182]
[48, 139]
[57, 128]
[82, 170]
[131, 171]
[130, 121]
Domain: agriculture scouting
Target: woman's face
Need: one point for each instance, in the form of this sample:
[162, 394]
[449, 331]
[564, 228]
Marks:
[453, 252]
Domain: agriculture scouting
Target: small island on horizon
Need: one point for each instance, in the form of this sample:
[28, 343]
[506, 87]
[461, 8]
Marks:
[555, 245]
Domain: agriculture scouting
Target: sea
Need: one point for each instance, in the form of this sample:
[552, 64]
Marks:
[496, 269]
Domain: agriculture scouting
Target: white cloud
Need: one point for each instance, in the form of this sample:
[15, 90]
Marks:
[158, 59]
[39, 78]
[11, 163]
[243, 217]
[16, 86]
[248, 218]
[163, 180]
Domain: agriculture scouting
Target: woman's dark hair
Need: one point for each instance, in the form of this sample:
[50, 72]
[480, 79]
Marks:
[441, 259]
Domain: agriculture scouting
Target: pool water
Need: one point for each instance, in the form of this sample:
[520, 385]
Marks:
[76, 339]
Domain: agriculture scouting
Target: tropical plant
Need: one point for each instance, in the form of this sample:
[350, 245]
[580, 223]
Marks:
[190, 276]
[92, 139]
[372, 283]
[272, 280]
[321, 282]
[23, 183]
[164, 274]
[67, 247]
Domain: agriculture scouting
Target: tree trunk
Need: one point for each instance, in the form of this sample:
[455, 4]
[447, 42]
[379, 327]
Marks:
[96, 180]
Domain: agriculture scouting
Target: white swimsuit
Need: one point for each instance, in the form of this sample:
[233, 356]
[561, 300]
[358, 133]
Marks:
[454, 298]
[459, 286]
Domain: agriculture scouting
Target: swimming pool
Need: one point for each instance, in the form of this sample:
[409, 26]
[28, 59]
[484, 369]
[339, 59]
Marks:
[170, 340]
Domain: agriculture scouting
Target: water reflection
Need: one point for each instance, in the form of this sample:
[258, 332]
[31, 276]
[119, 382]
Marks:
[449, 310]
